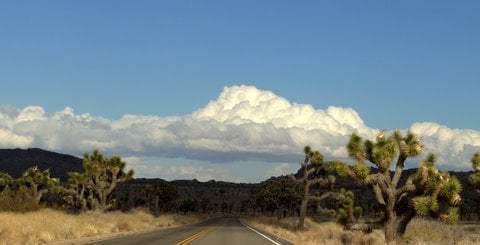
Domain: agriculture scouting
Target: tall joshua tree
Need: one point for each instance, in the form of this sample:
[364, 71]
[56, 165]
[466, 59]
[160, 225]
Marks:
[101, 176]
[315, 172]
[475, 177]
[421, 193]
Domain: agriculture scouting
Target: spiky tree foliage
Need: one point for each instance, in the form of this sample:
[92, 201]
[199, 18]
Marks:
[348, 213]
[284, 194]
[436, 192]
[37, 182]
[77, 195]
[102, 174]
[315, 171]
[475, 177]
[422, 192]
[6, 181]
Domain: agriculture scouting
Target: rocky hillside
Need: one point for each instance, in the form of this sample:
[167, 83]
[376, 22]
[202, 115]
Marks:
[16, 161]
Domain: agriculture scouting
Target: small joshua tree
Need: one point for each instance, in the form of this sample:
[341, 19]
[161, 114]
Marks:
[348, 214]
[421, 193]
[315, 172]
[37, 182]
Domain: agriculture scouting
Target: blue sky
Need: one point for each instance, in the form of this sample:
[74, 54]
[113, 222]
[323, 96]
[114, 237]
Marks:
[394, 62]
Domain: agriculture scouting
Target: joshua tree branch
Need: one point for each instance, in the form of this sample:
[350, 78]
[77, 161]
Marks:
[398, 170]
[329, 194]
[408, 187]
[378, 194]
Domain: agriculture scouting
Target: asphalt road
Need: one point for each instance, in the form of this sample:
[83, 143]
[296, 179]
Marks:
[221, 231]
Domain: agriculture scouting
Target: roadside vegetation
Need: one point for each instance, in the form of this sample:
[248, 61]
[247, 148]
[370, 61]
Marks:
[420, 231]
[47, 226]
[36, 208]
[314, 232]
[371, 200]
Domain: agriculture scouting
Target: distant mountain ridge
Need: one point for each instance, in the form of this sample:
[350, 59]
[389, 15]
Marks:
[16, 161]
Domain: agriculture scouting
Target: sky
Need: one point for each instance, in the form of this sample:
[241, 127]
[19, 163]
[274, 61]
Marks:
[233, 90]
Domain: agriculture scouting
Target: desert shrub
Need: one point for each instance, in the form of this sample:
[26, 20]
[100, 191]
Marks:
[18, 201]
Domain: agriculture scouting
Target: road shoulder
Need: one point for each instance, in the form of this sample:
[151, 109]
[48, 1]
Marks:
[274, 237]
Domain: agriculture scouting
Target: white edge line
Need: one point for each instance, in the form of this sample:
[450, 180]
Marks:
[259, 233]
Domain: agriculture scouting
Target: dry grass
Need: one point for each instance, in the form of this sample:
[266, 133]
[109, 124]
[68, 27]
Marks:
[327, 233]
[419, 231]
[47, 226]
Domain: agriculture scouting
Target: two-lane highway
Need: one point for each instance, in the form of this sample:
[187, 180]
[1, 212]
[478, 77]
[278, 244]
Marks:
[215, 231]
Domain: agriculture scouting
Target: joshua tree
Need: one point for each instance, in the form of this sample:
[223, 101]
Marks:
[38, 182]
[315, 172]
[281, 193]
[475, 177]
[101, 176]
[419, 195]
[348, 213]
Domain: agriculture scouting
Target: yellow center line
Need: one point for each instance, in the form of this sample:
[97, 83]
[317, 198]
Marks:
[195, 236]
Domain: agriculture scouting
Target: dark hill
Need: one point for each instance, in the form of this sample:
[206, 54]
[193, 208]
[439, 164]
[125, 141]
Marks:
[16, 161]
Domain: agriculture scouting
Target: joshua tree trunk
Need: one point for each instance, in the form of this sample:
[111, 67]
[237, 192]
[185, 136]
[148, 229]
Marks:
[102, 202]
[391, 228]
[395, 226]
[304, 205]
[303, 213]
[403, 222]
[390, 218]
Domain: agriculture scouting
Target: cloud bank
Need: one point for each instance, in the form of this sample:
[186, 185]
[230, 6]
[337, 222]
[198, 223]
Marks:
[243, 124]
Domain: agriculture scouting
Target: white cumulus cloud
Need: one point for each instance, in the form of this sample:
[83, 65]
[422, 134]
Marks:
[243, 124]
[454, 147]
